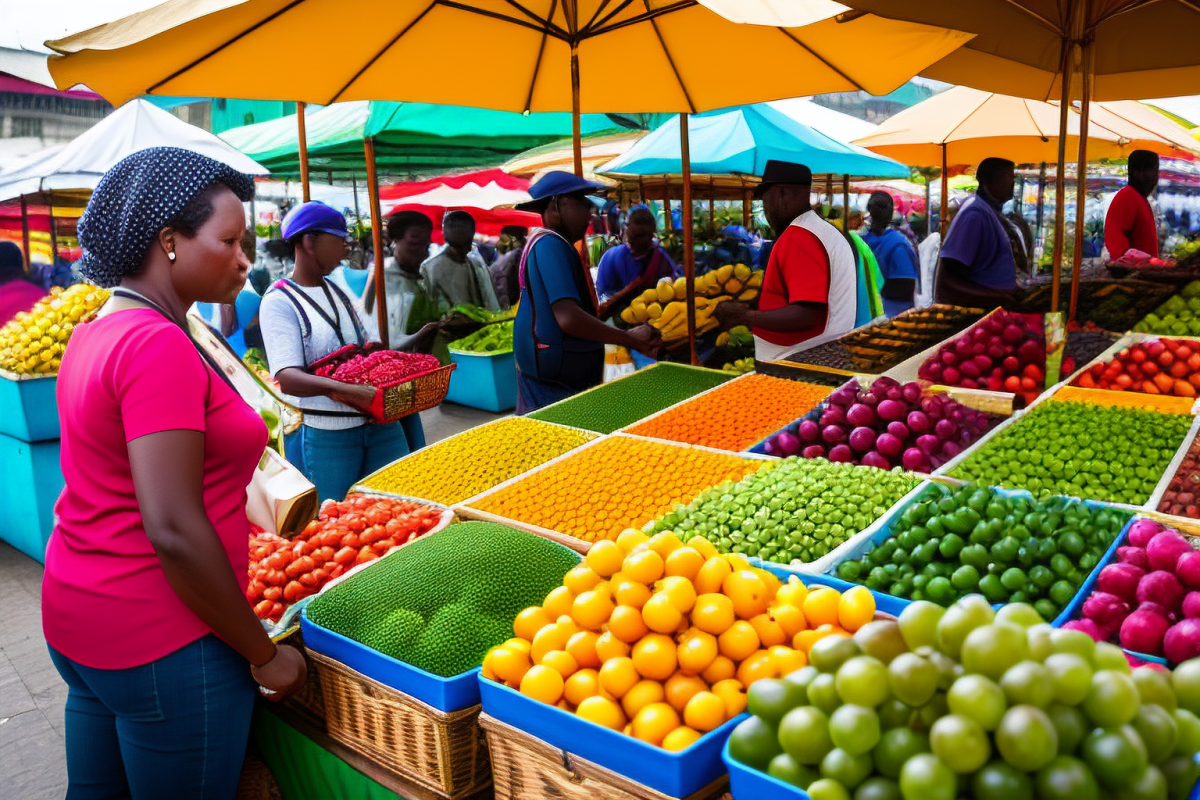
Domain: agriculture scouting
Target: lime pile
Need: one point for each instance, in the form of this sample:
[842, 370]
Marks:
[969, 703]
[1012, 549]
[1082, 450]
[623, 402]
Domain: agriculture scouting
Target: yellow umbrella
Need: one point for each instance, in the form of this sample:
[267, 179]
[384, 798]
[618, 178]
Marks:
[547, 56]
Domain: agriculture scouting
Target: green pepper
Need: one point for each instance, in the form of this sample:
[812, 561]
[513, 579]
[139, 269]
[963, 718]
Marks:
[951, 545]
[935, 526]
[997, 508]
[962, 520]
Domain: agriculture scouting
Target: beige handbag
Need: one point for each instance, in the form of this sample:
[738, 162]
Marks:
[279, 498]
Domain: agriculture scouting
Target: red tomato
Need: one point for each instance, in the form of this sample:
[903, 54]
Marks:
[263, 609]
[276, 577]
[345, 555]
[273, 593]
[279, 560]
[300, 566]
[255, 589]
[293, 591]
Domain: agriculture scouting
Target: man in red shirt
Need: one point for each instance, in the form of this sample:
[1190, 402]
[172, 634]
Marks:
[1130, 223]
[810, 290]
[16, 293]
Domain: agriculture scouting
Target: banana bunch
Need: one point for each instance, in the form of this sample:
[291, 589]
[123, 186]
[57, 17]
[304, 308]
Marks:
[649, 305]
[740, 367]
[739, 336]
[672, 323]
[735, 280]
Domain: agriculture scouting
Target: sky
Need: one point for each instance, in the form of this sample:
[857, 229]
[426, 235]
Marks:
[28, 24]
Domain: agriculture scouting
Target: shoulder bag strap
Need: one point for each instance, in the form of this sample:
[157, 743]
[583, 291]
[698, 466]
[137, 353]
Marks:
[334, 324]
[359, 332]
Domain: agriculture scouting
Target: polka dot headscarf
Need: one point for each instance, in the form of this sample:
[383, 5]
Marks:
[135, 200]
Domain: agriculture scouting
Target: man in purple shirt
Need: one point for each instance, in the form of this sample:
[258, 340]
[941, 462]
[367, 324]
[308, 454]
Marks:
[977, 267]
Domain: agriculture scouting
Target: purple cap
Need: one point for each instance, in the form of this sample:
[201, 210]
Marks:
[313, 217]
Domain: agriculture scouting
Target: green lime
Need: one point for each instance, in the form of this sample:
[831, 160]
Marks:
[754, 744]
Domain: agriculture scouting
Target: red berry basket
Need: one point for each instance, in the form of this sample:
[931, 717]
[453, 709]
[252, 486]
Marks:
[399, 393]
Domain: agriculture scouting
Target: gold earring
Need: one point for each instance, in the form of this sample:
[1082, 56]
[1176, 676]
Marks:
[171, 255]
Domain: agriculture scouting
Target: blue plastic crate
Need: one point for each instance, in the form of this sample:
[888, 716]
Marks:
[29, 409]
[747, 783]
[487, 381]
[32, 482]
[673, 774]
[444, 694]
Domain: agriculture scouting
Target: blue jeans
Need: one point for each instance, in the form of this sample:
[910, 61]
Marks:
[336, 460]
[174, 728]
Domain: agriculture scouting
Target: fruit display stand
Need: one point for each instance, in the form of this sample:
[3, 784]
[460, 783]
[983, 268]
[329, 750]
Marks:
[1163, 402]
[807, 373]
[28, 407]
[31, 485]
[486, 381]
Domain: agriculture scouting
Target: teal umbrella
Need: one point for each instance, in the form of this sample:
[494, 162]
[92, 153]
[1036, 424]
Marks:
[410, 138]
[741, 140]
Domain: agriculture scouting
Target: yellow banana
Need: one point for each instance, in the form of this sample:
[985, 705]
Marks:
[627, 316]
[654, 311]
[734, 286]
[755, 280]
[748, 295]
[724, 273]
[741, 272]
[666, 290]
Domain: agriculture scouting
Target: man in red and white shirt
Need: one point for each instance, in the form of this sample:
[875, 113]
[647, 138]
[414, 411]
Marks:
[1129, 224]
[810, 290]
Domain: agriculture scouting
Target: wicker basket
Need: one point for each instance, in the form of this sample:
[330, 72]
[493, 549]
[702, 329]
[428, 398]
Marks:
[256, 781]
[526, 768]
[445, 752]
[310, 700]
[419, 392]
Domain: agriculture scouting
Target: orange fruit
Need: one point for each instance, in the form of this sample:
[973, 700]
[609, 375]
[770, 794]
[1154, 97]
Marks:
[681, 738]
[558, 602]
[680, 590]
[722, 668]
[608, 646]
[704, 547]
[704, 712]
[551, 637]
[660, 614]
[543, 684]
[757, 666]
[739, 642]
[712, 575]
[529, 622]
[641, 695]
[592, 609]
[787, 660]
[631, 593]
[804, 639]
[630, 538]
[580, 579]
[654, 657]
[748, 593]
[664, 544]
[602, 711]
[654, 722]
[821, 606]
[856, 608]
[696, 651]
[487, 670]
[645, 566]
[713, 613]
[790, 618]
[618, 676]
[733, 694]
[626, 624]
[520, 645]
[792, 593]
[605, 558]
[770, 632]
[582, 647]
[680, 688]
[583, 684]
[561, 662]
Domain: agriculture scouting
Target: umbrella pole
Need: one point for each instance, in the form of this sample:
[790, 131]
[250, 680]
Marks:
[53, 230]
[712, 216]
[377, 238]
[302, 145]
[747, 208]
[641, 190]
[1060, 179]
[689, 253]
[576, 126]
[846, 201]
[944, 208]
[667, 206]
[1081, 174]
[829, 198]
[928, 208]
[354, 188]
[25, 234]
[1041, 208]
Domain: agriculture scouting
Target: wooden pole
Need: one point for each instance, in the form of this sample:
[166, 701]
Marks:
[846, 203]
[354, 188]
[641, 190]
[53, 230]
[944, 208]
[829, 197]
[928, 208]
[25, 234]
[689, 253]
[1060, 179]
[377, 238]
[302, 144]
[1041, 209]
[712, 214]
[576, 127]
[1089, 52]
[747, 208]
[667, 206]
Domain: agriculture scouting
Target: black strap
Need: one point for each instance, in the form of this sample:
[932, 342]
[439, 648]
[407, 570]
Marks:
[335, 321]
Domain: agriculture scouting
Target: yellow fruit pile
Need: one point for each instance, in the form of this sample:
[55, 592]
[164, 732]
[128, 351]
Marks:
[32, 343]
[660, 639]
[615, 484]
[737, 281]
[479, 459]
[665, 306]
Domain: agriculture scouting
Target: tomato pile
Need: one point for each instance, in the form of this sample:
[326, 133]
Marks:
[347, 533]
[1158, 366]
[379, 368]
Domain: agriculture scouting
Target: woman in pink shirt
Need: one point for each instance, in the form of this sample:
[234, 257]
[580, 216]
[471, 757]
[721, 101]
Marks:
[142, 600]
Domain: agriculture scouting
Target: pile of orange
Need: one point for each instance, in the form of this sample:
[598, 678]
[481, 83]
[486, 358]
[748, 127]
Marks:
[735, 416]
[660, 639]
[612, 485]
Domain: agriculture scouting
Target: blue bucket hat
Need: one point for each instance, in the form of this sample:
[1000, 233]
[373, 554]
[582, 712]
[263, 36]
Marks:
[313, 217]
[137, 198]
[556, 183]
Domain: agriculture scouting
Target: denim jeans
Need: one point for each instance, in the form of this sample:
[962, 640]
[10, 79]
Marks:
[336, 460]
[174, 728]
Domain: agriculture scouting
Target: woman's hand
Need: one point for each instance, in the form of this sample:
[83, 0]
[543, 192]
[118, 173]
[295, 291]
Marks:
[646, 340]
[283, 675]
[354, 394]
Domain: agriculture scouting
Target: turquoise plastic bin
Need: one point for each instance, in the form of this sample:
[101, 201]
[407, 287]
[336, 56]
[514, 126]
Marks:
[32, 482]
[486, 381]
[29, 409]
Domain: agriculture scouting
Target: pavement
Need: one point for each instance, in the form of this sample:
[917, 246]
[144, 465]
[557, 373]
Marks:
[32, 695]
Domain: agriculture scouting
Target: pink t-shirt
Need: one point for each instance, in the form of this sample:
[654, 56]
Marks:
[106, 602]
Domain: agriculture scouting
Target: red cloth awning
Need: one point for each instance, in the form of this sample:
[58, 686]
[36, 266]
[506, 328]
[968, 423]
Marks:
[487, 222]
[480, 178]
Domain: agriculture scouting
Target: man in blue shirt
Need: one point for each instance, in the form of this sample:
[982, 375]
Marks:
[977, 268]
[894, 254]
[558, 340]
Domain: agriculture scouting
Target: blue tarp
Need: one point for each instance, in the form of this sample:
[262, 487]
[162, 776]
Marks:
[741, 141]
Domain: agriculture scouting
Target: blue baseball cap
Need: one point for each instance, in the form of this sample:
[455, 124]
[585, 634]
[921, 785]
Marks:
[313, 217]
[556, 183]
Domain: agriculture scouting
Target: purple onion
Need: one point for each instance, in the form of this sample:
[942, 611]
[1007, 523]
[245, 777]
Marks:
[915, 460]
[869, 399]
[948, 358]
[889, 445]
[788, 444]
[945, 429]
[929, 444]
[951, 376]
[769, 448]
[891, 410]
[844, 397]
[912, 392]
[862, 439]
[860, 414]
[874, 459]
[898, 429]
[950, 450]
[814, 451]
[808, 431]
[832, 434]
[895, 394]
[918, 422]
[841, 454]
[833, 415]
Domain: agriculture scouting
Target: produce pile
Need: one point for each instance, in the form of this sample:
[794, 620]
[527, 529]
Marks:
[1158, 366]
[729, 282]
[1082, 450]
[32, 342]
[739, 366]
[476, 460]
[482, 315]
[443, 602]
[1003, 353]
[969, 703]
[878, 348]
[1148, 599]
[735, 416]
[618, 403]
[884, 426]
[1178, 316]
[659, 640]
[1182, 497]
[738, 336]
[1084, 346]
[794, 510]
[1103, 304]
[379, 367]
[614, 484]
[950, 544]
[344, 534]
[496, 338]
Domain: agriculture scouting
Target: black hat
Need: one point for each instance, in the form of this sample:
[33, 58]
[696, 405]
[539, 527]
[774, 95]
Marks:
[782, 172]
